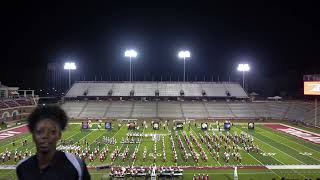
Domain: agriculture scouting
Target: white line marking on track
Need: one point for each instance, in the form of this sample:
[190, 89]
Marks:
[295, 143]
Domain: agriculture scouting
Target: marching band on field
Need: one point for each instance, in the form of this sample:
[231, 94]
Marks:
[191, 144]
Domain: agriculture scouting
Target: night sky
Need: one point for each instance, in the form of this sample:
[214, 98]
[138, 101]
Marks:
[280, 41]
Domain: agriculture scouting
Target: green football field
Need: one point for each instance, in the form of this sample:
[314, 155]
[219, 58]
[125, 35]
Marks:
[276, 148]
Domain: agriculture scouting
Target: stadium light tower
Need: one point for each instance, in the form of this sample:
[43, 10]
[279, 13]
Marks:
[184, 55]
[131, 54]
[244, 68]
[70, 66]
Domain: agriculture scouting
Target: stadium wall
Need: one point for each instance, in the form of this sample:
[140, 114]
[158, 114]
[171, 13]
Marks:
[16, 113]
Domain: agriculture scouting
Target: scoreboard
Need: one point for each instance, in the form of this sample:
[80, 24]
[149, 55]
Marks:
[311, 84]
[311, 87]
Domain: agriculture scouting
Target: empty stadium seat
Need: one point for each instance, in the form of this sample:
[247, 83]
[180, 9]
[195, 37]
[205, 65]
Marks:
[300, 111]
[165, 89]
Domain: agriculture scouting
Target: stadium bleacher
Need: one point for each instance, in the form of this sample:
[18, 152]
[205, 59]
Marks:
[194, 110]
[201, 110]
[170, 109]
[169, 89]
[122, 89]
[215, 90]
[278, 110]
[219, 110]
[3, 105]
[260, 109]
[235, 90]
[145, 89]
[94, 109]
[24, 102]
[73, 108]
[191, 89]
[78, 89]
[242, 110]
[11, 103]
[145, 109]
[310, 114]
[298, 111]
[100, 89]
[120, 109]
[166, 89]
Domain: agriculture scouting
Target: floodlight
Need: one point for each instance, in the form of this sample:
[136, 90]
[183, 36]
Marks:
[70, 66]
[130, 53]
[243, 67]
[184, 55]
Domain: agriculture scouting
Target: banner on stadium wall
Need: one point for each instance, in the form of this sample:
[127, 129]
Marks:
[312, 88]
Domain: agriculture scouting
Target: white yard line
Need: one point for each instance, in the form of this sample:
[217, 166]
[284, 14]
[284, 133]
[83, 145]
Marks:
[264, 151]
[274, 158]
[119, 151]
[290, 167]
[201, 145]
[295, 143]
[66, 139]
[275, 148]
[264, 165]
[28, 138]
[71, 137]
[281, 161]
[12, 128]
[292, 140]
[139, 144]
[184, 144]
[19, 141]
[301, 129]
[111, 137]
[93, 142]
[260, 161]
[279, 150]
[176, 164]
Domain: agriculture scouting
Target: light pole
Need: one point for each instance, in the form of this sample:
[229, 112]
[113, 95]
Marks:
[131, 54]
[184, 55]
[70, 66]
[243, 68]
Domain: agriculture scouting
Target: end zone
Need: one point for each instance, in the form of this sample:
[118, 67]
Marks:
[13, 132]
[303, 134]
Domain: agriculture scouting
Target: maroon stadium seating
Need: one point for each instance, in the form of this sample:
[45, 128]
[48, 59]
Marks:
[11, 103]
[23, 102]
[2, 105]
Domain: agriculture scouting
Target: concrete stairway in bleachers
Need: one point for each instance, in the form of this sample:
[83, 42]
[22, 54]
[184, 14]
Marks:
[83, 108]
[107, 109]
